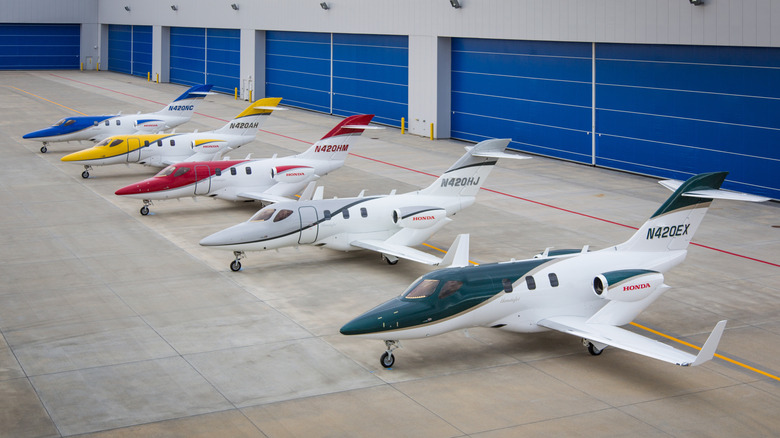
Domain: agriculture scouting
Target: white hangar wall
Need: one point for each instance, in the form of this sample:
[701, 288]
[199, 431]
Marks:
[658, 87]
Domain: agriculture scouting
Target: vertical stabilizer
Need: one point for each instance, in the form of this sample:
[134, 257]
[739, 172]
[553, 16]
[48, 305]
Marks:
[249, 121]
[673, 225]
[468, 174]
[185, 104]
[335, 144]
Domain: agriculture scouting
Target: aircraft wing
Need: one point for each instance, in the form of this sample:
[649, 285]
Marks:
[400, 251]
[263, 197]
[633, 342]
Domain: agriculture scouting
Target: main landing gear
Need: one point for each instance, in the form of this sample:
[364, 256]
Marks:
[594, 348]
[45, 148]
[387, 360]
[391, 260]
[145, 208]
[235, 265]
[85, 173]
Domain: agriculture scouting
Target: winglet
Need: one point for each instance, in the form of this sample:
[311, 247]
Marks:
[708, 350]
[458, 254]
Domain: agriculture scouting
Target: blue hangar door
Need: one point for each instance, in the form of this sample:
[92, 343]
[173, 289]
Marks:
[341, 74]
[39, 46]
[130, 49]
[536, 93]
[206, 56]
[674, 111]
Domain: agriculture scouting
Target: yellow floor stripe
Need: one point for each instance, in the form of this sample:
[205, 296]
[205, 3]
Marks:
[755, 370]
[47, 100]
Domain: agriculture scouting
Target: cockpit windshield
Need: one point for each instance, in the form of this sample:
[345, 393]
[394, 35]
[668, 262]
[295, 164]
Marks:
[165, 172]
[65, 122]
[109, 142]
[263, 215]
[420, 289]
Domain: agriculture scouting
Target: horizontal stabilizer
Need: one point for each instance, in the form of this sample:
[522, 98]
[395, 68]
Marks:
[400, 251]
[499, 154]
[361, 127]
[673, 184]
[633, 342]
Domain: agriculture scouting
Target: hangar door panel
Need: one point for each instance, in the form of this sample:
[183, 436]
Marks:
[298, 69]
[188, 55]
[674, 111]
[370, 76]
[39, 46]
[130, 49]
[536, 93]
[223, 59]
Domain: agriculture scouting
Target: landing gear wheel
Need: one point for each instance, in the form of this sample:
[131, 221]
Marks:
[85, 174]
[593, 350]
[387, 360]
[144, 210]
[235, 266]
[44, 149]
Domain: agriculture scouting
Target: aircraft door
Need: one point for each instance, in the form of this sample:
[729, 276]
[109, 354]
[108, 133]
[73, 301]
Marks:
[133, 150]
[202, 180]
[309, 225]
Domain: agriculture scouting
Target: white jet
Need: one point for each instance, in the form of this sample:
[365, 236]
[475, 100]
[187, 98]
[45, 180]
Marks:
[161, 150]
[96, 128]
[388, 224]
[588, 294]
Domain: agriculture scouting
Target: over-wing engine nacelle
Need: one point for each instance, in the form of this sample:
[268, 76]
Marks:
[291, 174]
[627, 285]
[418, 217]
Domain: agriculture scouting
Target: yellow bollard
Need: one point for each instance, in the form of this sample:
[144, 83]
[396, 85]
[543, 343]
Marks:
[431, 131]
[402, 125]
[250, 96]
[236, 94]
[148, 76]
[82, 66]
[98, 66]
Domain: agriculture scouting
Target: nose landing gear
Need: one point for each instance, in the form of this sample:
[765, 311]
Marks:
[387, 360]
[145, 208]
[235, 265]
[85, 173]
[44, 148]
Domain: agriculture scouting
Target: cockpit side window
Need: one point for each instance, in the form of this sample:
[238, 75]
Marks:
[421, 290]
[263, 215]
[181, 171]
[449, 288]
[115, 142]
[282, 215]
[69, 122]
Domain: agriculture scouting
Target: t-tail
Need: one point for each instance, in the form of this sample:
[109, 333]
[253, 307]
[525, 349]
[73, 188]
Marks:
[468, 174]
[673, 225]
[335, 144]
[249, 121]
[185, 105]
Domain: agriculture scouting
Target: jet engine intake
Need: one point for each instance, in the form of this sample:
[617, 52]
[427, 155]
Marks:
[418, 217]
[627, 285]
[291, 174]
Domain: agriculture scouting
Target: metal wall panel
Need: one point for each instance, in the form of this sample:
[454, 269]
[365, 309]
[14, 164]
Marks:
[39, 46]
[188, 55]
[223, 59]
[673, 111]
[142, 50]
[370, 76]
[130, 49]
[536, 93]
[298, 69]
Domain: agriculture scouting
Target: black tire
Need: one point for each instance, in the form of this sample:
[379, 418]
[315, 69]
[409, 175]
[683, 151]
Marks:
[44, 149]
[235, 266]
[391, 262]
[387, 360]
[85, 174]
[144, 210]
[593, 350]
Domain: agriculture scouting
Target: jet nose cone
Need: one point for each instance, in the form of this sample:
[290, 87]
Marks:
[228, 236]
[352, 328]
[139, 188]
[39, 134]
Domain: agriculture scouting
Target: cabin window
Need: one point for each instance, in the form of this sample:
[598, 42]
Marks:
[248, 170]
[282, 215]
[507, 283]
[553, 279]
[107, 122]
[530, 282]
[218, 171]
[159, 143]
[263, 215]
[345, 213]
[146, 143]
[450, 288]
[421, 290]
[363, 212]
[181, 171]
[327, 215]
[173, 142]
[233, 171]
[95, 123]
[118, 122]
